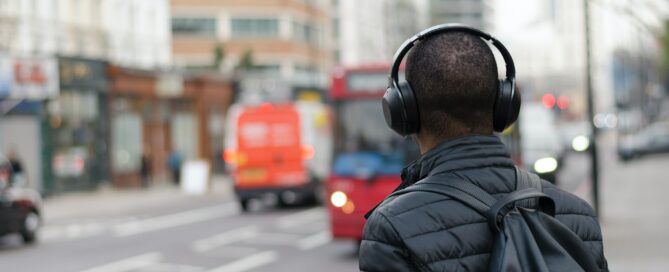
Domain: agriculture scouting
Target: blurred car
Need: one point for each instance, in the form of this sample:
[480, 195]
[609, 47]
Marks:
[651, 139]
[576, 136]
[20, 207]
[540, 138]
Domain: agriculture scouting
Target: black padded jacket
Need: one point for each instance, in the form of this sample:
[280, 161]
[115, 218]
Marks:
[422, 231]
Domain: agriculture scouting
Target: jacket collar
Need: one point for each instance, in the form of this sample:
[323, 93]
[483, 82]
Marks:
[474, 151]
[467, 152]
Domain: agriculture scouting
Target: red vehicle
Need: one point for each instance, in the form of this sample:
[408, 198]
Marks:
[279, 150]
[368, 156]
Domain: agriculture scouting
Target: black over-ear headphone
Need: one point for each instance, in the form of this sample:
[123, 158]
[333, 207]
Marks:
[400, 107]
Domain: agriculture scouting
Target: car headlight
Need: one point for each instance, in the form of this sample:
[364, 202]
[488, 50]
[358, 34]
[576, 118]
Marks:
[338, 199]
[545, 165]
[580, 143]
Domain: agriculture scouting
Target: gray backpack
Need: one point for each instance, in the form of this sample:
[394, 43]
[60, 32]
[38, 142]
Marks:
[527, 236]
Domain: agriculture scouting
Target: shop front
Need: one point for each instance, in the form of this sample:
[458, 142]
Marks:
[156, 116]
[78, 127]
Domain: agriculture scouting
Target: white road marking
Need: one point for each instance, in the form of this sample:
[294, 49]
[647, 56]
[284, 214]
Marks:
[225, 238]
[314, 241]
[175, 220]
[233, 251]
[274, 239]
[79, 229]
[248, 263]
[301, 218]
[172, 267]
[129, 264]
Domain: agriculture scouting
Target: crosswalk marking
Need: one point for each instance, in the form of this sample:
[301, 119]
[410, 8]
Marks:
[225, 238]
[301, 218]
[274, 239]
[315, 240]
[175, 220]
[129, 264]
[248, 263]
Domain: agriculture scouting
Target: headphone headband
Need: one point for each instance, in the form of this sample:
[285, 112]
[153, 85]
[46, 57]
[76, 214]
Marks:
[409, 43]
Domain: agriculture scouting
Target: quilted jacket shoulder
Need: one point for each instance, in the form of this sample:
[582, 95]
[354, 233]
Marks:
[422, 231]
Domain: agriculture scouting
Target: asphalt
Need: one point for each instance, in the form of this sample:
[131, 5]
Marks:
[161, 229]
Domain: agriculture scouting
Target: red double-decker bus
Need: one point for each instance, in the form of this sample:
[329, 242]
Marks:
[368, 156]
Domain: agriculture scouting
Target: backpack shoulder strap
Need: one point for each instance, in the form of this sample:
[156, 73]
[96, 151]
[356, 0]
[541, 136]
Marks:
[525, 180]
[463, 191]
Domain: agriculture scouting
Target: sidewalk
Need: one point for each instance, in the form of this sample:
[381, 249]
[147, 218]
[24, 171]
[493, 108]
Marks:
[108, 201]
[634, 212]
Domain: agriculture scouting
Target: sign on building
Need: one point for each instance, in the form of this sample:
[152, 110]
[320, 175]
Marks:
[31, 78]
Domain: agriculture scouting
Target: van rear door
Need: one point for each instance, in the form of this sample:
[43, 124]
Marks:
[269, 147]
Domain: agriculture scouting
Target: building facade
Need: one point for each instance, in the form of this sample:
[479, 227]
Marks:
[154, 115]
[285, 38]
[90, 29]
[475, 13]
[54, 109]
[369, 32]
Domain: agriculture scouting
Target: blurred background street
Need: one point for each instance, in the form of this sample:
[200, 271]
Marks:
[161, 229]
[205, 135]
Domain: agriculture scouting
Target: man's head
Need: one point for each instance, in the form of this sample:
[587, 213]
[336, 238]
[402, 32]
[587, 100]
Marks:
[454, 77]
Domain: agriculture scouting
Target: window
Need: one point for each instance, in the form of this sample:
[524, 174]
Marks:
[126, 142]
[194, 26]
[185, 134]
[78, 106]
[305, 33]
[335, 27]
[255, 28]
[463, 16]
[269, 69]
[306, 74]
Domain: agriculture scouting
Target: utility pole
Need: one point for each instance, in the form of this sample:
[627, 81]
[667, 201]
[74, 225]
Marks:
[594, 158]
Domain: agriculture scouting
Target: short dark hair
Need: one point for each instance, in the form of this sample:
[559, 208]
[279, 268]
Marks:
[454, 77]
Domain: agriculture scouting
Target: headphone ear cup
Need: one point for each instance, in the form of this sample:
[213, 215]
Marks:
[412, 117]
[393, 109]
[516, 102]
[504, 112]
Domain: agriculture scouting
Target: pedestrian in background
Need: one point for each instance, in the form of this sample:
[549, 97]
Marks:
[145, 169]
[17, 174]
[450, 103]
[174, 163]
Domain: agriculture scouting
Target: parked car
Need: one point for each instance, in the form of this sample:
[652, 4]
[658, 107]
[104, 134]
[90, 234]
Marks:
[651, 139]
[20, 207]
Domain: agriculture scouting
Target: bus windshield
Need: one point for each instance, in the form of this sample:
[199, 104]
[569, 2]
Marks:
[364, 145]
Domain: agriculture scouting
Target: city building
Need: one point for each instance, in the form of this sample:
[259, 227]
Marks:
[158, 115]
[475, 13]
[547, 40]
[369, 32]
[283, 38]
[90, 29]
[54, 91]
